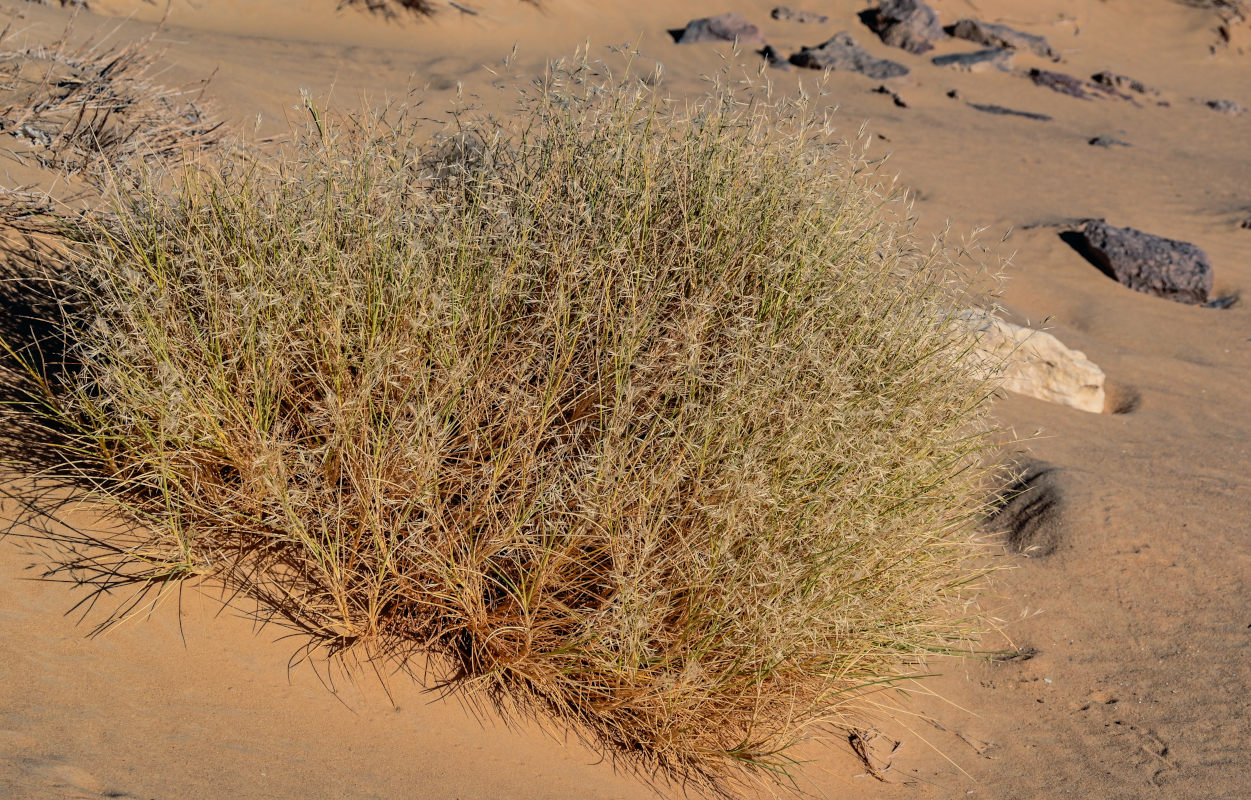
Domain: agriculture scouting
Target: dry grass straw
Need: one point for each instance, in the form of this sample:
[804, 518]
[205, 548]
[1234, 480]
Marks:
[640, 409]
[93, 110]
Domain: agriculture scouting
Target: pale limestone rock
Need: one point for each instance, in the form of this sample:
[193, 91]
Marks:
[1035, 363]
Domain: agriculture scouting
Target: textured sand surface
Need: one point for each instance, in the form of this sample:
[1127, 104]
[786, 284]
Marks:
[1140, 621]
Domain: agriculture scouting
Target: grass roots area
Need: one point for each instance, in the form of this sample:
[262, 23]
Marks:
[643, 411]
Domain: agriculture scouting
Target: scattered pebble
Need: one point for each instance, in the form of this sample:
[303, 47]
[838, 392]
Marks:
[1123, 83]
[796, 15]
[899, 101]
[1226, 107]
[1108, 141]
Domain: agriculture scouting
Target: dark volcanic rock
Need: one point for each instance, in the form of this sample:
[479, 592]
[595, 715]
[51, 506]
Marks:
[1226, 107]
[996, 57]
[1107, 141]
[1031, 512]
[1059, 82]
[1001, 36]
[1123, 83]
[1167, 268]
[909, 24]
[842, 52]
[796, 15]
[886, 90]
[990, 108]
[722, 28]
[775, 59]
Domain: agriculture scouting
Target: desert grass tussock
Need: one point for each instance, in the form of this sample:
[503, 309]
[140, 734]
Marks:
[640, 409]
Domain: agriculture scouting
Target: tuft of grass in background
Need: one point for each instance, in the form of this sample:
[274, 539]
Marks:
[93, 110]
[645, 411]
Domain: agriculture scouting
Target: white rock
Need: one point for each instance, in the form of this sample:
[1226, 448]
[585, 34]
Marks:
[1035, 363]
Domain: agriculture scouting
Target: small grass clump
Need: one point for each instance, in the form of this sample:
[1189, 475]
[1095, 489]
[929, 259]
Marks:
[642, 410]
[94, 111]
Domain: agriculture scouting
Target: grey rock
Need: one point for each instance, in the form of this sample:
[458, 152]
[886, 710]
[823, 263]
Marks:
[786, 14]
[842, 52]
[1154, 265]
[909, 24]
[1001, 36]
[994, 57]
[1226, 107]
[990, 108]
[1228, 301]
[721, 28]
[1107, 141]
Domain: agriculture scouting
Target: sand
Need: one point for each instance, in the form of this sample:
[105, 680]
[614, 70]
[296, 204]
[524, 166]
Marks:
[1139, 624]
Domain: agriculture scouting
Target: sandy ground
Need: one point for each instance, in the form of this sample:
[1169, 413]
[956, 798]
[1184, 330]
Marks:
[1139, 623]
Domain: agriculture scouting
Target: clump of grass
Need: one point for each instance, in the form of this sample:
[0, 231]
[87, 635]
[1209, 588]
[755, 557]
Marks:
[643, 410]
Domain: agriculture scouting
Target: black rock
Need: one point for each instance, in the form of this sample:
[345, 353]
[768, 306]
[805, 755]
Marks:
[722, 28]
[990, 108]
[796, 15]
[1001, 36]
[996, 57]
[1064, 84]
[1167, 268]
[842, 52]
[1107, 141]
[1030, 513]
[1123, 83]
[909, 24]
[886, 90]
[1226, 107]
[774, 58]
